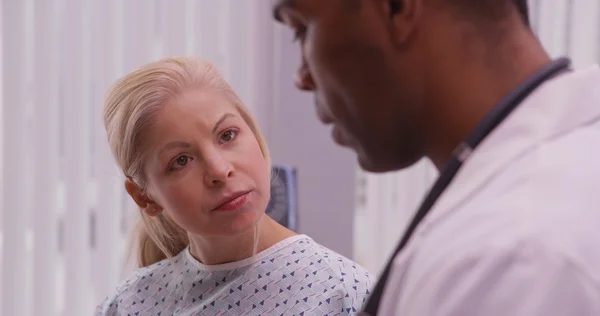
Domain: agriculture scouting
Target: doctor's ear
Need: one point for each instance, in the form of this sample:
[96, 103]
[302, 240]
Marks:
[141, 198]
[403, 16]
[395, 6]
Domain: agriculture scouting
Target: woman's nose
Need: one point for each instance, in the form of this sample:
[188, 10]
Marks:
[218, 170]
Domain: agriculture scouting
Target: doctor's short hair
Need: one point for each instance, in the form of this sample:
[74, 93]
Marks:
[130, 108]
[490, 10]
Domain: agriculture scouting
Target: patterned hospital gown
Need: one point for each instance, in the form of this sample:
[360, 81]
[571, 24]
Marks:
[297, 276]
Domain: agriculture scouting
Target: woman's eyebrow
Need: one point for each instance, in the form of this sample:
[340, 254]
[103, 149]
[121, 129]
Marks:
[226, 115]
[175, 144]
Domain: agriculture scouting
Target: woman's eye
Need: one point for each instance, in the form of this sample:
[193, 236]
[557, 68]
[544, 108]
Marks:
[180, 162]
[228, 135]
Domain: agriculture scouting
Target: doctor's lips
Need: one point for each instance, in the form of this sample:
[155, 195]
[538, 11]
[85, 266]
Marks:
[232, 202]
[325, 119]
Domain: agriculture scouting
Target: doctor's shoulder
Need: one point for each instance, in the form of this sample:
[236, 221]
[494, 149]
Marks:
[133, 289]
[519, 274]
[345, 284]
[529, 246]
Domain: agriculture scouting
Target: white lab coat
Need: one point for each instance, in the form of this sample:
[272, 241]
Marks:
[517, 233]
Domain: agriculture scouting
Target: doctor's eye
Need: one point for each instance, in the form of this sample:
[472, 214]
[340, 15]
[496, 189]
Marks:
[299, 33]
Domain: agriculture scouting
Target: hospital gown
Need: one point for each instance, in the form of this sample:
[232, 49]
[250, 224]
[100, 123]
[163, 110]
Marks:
[297, 276]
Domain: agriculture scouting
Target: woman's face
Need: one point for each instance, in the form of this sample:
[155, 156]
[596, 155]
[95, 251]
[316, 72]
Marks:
[204, 166]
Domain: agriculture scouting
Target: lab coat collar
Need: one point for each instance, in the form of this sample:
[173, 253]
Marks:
[556, 107]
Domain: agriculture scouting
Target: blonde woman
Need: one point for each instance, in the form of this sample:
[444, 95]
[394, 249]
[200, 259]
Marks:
[199, 170]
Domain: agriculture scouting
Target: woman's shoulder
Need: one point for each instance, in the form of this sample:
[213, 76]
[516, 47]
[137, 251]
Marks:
[134, 288]
[310, 269]
[331, 262]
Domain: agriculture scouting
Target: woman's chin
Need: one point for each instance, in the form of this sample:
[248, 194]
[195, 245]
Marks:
[236, 223]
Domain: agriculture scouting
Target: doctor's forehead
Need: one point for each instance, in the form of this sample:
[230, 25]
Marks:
[280, 6]
[310, 7]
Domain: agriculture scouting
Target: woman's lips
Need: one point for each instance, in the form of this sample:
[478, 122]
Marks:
[233, 203]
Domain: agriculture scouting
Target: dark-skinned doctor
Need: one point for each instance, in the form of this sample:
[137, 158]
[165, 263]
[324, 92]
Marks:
[511, 227]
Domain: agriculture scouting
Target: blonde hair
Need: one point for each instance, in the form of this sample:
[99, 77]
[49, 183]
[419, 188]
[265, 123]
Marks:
[130, 108]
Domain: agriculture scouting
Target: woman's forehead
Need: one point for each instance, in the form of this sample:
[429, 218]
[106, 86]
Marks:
[194, 107]
[203, 100]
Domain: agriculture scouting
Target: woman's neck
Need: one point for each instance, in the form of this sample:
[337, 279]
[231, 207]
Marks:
[219, 250]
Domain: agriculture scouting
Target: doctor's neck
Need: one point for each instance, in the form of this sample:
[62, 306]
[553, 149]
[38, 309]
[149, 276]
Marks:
[477, 75]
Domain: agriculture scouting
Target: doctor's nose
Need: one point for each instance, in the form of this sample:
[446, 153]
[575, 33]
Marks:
[304, 80]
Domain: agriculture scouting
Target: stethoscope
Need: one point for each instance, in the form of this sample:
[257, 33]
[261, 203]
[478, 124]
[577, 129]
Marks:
[460, 155]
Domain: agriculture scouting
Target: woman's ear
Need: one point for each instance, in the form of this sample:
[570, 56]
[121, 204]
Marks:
[141, 198]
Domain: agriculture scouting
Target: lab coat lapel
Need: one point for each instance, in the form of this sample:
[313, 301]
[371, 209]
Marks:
[558, 106]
